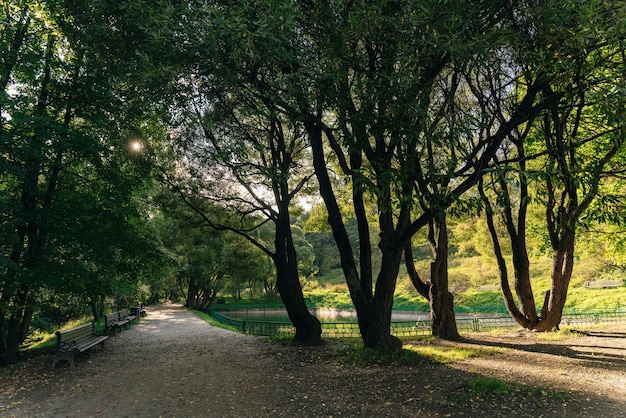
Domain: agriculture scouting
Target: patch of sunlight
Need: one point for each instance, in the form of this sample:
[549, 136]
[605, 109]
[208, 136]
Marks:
[451, 354]
[562, 334]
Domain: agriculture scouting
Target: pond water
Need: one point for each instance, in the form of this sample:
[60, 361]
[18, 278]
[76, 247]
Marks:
[327, 315]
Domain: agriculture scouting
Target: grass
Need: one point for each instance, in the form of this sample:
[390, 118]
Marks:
[451, 354]
[40, 340]
[353, 352]
[331, 291]
[489, 385]
[474, 301]
[211, 321]
[563, 333]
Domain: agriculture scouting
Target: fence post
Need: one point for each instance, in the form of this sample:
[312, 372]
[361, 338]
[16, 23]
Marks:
[476, 325]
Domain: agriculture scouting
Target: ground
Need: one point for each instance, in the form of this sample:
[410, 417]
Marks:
[172, 364]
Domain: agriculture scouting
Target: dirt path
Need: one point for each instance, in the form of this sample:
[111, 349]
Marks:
[172, 364]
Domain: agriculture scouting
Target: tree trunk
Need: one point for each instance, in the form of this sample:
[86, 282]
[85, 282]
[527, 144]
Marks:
[94, 311]
[28, 250]
[192, 294]
[378, 328]
[562, 268]
[308, 327]
[528, 316]
[27, 318]
[3, 345]
[442, 318]
[421, 287]
[361, 298]
[12, 341]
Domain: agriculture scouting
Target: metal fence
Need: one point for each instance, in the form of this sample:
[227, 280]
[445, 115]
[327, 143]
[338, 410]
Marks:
[404, 329]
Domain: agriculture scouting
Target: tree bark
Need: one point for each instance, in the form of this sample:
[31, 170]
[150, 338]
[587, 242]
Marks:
[308, 327]
[443, 320]
[361, 298]
[562, 268]
[528, 317]
[27, 318]
[373, 308]
[378, 329]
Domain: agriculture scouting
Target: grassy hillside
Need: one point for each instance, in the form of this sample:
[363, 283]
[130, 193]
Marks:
[467, 277]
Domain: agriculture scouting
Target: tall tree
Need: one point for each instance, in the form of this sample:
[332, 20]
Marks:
[568, 153]
[197, 60]
[380, 108]
[56, 161]
[261, 157]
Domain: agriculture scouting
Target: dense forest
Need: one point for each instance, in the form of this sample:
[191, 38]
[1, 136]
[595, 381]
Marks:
[208, 149]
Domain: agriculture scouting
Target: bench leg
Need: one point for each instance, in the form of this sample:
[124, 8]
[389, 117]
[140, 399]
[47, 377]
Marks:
[64, 356]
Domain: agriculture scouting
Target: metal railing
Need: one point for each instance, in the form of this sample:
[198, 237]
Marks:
[404, 329]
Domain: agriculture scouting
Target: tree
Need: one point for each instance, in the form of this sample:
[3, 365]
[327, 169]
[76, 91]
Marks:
[204, 261]
[566, 155]
[201, 60]
[57, 159]
[385, 104]
[260, 156]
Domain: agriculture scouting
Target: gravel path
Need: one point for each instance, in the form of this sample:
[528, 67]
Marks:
[172, 364]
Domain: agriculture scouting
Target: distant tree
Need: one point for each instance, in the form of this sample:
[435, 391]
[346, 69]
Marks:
[249, 267]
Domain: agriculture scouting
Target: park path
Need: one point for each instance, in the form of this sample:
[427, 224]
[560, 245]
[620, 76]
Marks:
[170, 364]
[173, 364]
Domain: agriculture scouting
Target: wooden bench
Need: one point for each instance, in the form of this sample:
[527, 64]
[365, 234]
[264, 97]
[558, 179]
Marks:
[603, 284]
[488, 288]
[75, 341]
[125, 316]
[112, 321]
[138, 310]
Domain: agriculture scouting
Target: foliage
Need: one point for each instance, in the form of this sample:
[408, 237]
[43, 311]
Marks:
[204, 261]
[400, 109]
[70, 223]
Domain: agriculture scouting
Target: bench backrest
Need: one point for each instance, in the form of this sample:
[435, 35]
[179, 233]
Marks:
[75, 333]
[110, 317]
[604, 283]
[123, 313]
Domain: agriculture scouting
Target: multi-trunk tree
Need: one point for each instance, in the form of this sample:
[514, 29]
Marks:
[563, 158]
[389, 106]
